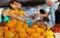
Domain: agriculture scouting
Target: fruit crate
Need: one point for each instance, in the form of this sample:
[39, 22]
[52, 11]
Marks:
[57, 35]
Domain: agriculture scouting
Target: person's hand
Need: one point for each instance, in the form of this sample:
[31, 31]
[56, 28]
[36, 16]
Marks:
[45, 15]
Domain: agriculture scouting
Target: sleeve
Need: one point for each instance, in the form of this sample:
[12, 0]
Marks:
[55, 6]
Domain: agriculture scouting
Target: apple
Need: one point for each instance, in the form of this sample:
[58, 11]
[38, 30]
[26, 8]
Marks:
[54, 29]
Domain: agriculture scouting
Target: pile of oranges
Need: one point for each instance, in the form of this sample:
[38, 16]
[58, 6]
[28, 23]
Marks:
[14, 29]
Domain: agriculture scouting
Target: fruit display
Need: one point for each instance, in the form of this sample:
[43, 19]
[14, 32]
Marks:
[56, 28]
[19, 29]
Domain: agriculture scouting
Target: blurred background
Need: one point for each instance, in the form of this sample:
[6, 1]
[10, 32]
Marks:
[24, 2]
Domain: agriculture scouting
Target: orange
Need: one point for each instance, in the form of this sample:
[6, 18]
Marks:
[5, 28]
[43, 26]
[16, 36]
[13, 22]
[28, 30]
[25, 26]
[34, 26]
[1, 28]
[8, 34]
[33, 35]
[48, 27]
[12, 30]
[20, 23]
[28, 36]
[1, 37]
[1, 32]
[33, 30]
[10, 25]
[38, 30]
[42, 32]
[18, 28]
[22, 34]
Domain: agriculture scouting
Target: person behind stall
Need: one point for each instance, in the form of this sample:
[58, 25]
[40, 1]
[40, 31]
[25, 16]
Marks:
[47, 7]
[16, 12]
[54, 8]
[57, 15]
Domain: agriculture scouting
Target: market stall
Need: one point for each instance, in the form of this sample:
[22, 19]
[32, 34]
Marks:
[25, 29]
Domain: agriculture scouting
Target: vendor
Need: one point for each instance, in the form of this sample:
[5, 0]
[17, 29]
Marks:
[16, 12]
